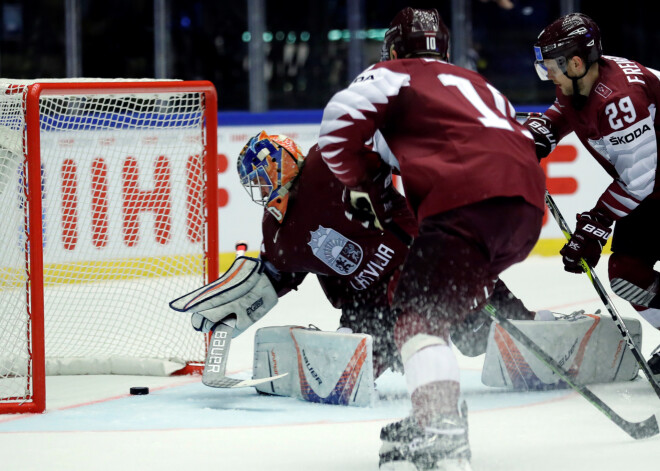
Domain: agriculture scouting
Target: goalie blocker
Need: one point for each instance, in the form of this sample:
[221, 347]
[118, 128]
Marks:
[588, 346]
[226, 308]
[243, 292]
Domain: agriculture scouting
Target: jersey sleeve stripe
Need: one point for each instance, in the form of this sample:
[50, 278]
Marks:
[329, 155]
[341, 105]
[334, 125]
[629, 203]
[617, 201]
[619, 214]
[329, 139]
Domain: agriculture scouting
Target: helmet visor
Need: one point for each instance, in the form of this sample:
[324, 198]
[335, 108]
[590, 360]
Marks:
[549, 68]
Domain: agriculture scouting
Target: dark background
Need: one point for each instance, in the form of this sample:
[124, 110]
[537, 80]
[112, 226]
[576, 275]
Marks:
[304, 67]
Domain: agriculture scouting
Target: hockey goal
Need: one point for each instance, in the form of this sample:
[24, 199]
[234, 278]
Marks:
[108, 211]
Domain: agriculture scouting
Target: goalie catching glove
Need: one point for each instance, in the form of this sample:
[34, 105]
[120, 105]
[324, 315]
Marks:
[243, 292]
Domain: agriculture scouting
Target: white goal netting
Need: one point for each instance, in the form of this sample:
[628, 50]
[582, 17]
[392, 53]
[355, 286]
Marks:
[123, 189]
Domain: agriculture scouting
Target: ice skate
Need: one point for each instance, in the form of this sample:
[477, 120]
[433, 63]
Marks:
[441, 446]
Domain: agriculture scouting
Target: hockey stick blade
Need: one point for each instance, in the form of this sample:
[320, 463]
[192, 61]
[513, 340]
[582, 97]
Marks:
[563, 225]
[226, 382]
[645, 429]
[637, 430]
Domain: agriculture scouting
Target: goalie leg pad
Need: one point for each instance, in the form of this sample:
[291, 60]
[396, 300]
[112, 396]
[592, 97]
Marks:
[323, 367]
[243, 291]
[588, 346]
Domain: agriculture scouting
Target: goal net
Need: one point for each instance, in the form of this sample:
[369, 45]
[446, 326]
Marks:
[109, 211]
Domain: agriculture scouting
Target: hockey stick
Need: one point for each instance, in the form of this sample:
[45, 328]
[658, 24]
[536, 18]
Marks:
[217, 352]
[552, 206]
[637, 430]
[216, 359]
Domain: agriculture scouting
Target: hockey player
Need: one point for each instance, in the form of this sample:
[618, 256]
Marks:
[611, 104]
[471, 177]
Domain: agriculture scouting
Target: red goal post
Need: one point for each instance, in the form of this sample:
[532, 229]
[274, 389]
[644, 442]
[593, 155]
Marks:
[108, 194]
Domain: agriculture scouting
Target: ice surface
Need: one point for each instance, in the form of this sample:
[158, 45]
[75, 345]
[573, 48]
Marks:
[92, 423]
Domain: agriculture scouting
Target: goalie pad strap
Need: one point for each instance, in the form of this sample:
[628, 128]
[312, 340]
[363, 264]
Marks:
[418, 342]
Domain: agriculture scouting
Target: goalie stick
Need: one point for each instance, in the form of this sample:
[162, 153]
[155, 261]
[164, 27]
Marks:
[216, 359]
[217, 352]
[552, 206]
[637, 430]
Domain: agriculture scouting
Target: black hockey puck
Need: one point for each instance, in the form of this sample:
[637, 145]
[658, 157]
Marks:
[139, 390]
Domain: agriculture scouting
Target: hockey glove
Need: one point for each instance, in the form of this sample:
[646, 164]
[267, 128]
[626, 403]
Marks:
[243, 292]
[542, 131]
[372, 201]
[591, 233]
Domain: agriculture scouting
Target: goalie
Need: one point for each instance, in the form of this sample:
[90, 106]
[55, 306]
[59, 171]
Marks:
[305, 230]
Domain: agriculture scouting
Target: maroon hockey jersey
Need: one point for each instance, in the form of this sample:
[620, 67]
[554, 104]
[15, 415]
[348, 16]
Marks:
[619, 126]
[316, 237]
[453, 136]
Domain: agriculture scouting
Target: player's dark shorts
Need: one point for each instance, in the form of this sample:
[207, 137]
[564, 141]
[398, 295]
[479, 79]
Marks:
[454, 263]
[368, 312]
[638, 234]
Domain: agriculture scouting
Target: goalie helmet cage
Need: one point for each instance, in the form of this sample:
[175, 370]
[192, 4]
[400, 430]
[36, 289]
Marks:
[108, 196]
